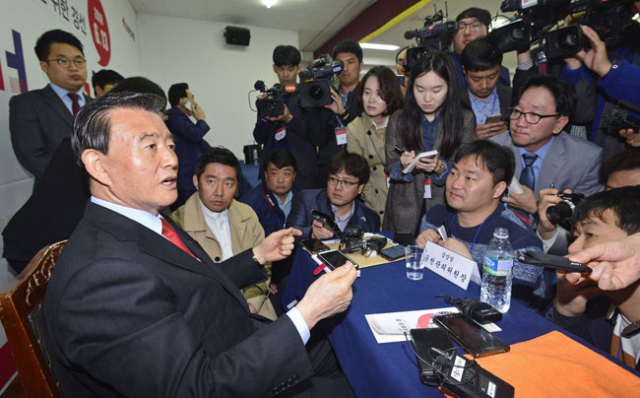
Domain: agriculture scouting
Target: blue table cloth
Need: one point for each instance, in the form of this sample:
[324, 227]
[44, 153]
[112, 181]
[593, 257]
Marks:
[391, 369]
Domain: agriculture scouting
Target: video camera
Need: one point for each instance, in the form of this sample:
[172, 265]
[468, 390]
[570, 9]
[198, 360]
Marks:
[316, 90]
[273, 103]
[609, 18]
[435, 35]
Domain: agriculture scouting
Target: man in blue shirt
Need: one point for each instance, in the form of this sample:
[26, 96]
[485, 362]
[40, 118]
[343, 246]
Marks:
[481, 70]
[40, 119]
[188, 136]
[478, 179]
[473, 23]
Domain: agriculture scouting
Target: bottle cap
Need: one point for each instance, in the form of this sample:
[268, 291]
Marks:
[501, 233]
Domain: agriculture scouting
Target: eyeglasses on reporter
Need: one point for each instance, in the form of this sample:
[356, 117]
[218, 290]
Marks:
[475, 26]
[66, 63]
[529, 117]
[334, 182]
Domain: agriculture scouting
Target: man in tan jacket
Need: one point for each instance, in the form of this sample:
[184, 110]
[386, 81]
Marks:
[222, 225]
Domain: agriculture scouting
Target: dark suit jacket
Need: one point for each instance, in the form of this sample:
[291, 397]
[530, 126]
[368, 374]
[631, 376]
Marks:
[131, 314]
[38, 121]
[190, 143]
[53, 210]
[305, 201]
[298, 141]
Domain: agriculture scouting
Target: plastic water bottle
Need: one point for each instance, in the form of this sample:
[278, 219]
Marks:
[498, 271]
[255, 156]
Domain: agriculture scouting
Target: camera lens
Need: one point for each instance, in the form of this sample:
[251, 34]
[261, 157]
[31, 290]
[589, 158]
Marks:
[559, 212]
[316, 92]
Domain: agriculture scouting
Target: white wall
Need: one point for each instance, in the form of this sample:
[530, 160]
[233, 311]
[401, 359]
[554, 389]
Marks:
[182, 50]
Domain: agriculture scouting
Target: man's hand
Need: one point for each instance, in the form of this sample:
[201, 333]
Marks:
[524, 201]
[428, 235]
[336, 105]
[596, 58]
[616, 264]
[329, 295]
[548, 197]
[197, 111]
[456, 246]
[571, 300]
[273, 288]
[632, 136]
[276, 246]
[286, 117]
[320, 231]
[490, 129]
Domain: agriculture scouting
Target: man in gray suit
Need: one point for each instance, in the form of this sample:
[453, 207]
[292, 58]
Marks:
[40, 119]
[545, 156]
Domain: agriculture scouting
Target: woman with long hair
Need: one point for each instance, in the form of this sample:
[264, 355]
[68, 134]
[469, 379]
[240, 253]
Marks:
[379, 95]
[432, 118]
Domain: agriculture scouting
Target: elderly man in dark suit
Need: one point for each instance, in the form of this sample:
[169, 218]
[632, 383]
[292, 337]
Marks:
[40, 119]
[135, 307]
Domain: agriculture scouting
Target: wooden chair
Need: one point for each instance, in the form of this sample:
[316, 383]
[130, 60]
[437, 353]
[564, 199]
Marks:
[18, 302]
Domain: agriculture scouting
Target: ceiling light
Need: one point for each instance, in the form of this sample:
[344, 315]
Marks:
[269, 3]
[385, 47]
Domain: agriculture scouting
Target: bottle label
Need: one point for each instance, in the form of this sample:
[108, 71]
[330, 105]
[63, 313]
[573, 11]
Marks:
[498, 267]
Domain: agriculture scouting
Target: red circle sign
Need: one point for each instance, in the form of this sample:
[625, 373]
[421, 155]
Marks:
[99, 31]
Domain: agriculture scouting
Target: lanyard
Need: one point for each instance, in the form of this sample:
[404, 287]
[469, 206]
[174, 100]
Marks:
[271, 204]
[477, 231]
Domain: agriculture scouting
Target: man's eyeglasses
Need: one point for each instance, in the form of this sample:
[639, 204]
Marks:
[475, 26]
[530, 117]
[66, 63]
[334, 181]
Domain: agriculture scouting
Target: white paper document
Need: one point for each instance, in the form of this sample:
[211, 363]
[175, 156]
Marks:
[390, 327]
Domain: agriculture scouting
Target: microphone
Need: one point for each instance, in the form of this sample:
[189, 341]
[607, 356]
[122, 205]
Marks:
[259, 85]
[410, 34]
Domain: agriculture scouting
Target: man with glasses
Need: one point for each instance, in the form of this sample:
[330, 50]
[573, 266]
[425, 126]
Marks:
[473, 23]
[347, 174]
[545, 156]
[40, 119]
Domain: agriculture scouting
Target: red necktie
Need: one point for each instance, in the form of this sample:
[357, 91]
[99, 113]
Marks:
[75, 105]
[170, 233]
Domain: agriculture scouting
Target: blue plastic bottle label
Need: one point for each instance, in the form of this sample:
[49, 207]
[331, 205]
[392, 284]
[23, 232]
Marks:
[498, 267]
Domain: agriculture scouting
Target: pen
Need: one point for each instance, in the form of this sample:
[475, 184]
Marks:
[399, 150]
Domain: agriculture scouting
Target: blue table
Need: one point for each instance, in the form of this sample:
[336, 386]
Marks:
[391, 369]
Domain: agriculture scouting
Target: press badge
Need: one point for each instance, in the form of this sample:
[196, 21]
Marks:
[427, 188]
[281, 133]
[341, 135]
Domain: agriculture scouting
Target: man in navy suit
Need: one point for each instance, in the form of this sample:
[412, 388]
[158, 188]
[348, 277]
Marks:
[40, 119]
[188, 136]
[348, 172]
[135, 307]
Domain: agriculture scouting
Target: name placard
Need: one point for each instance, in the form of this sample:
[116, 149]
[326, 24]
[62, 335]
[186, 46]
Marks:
[455, 268]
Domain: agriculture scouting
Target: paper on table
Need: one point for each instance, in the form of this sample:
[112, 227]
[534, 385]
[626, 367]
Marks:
[390, 327]
[419, 156]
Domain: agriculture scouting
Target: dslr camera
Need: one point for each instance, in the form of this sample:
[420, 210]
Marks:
[273, 103]
[316, 90]
[562, 212]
